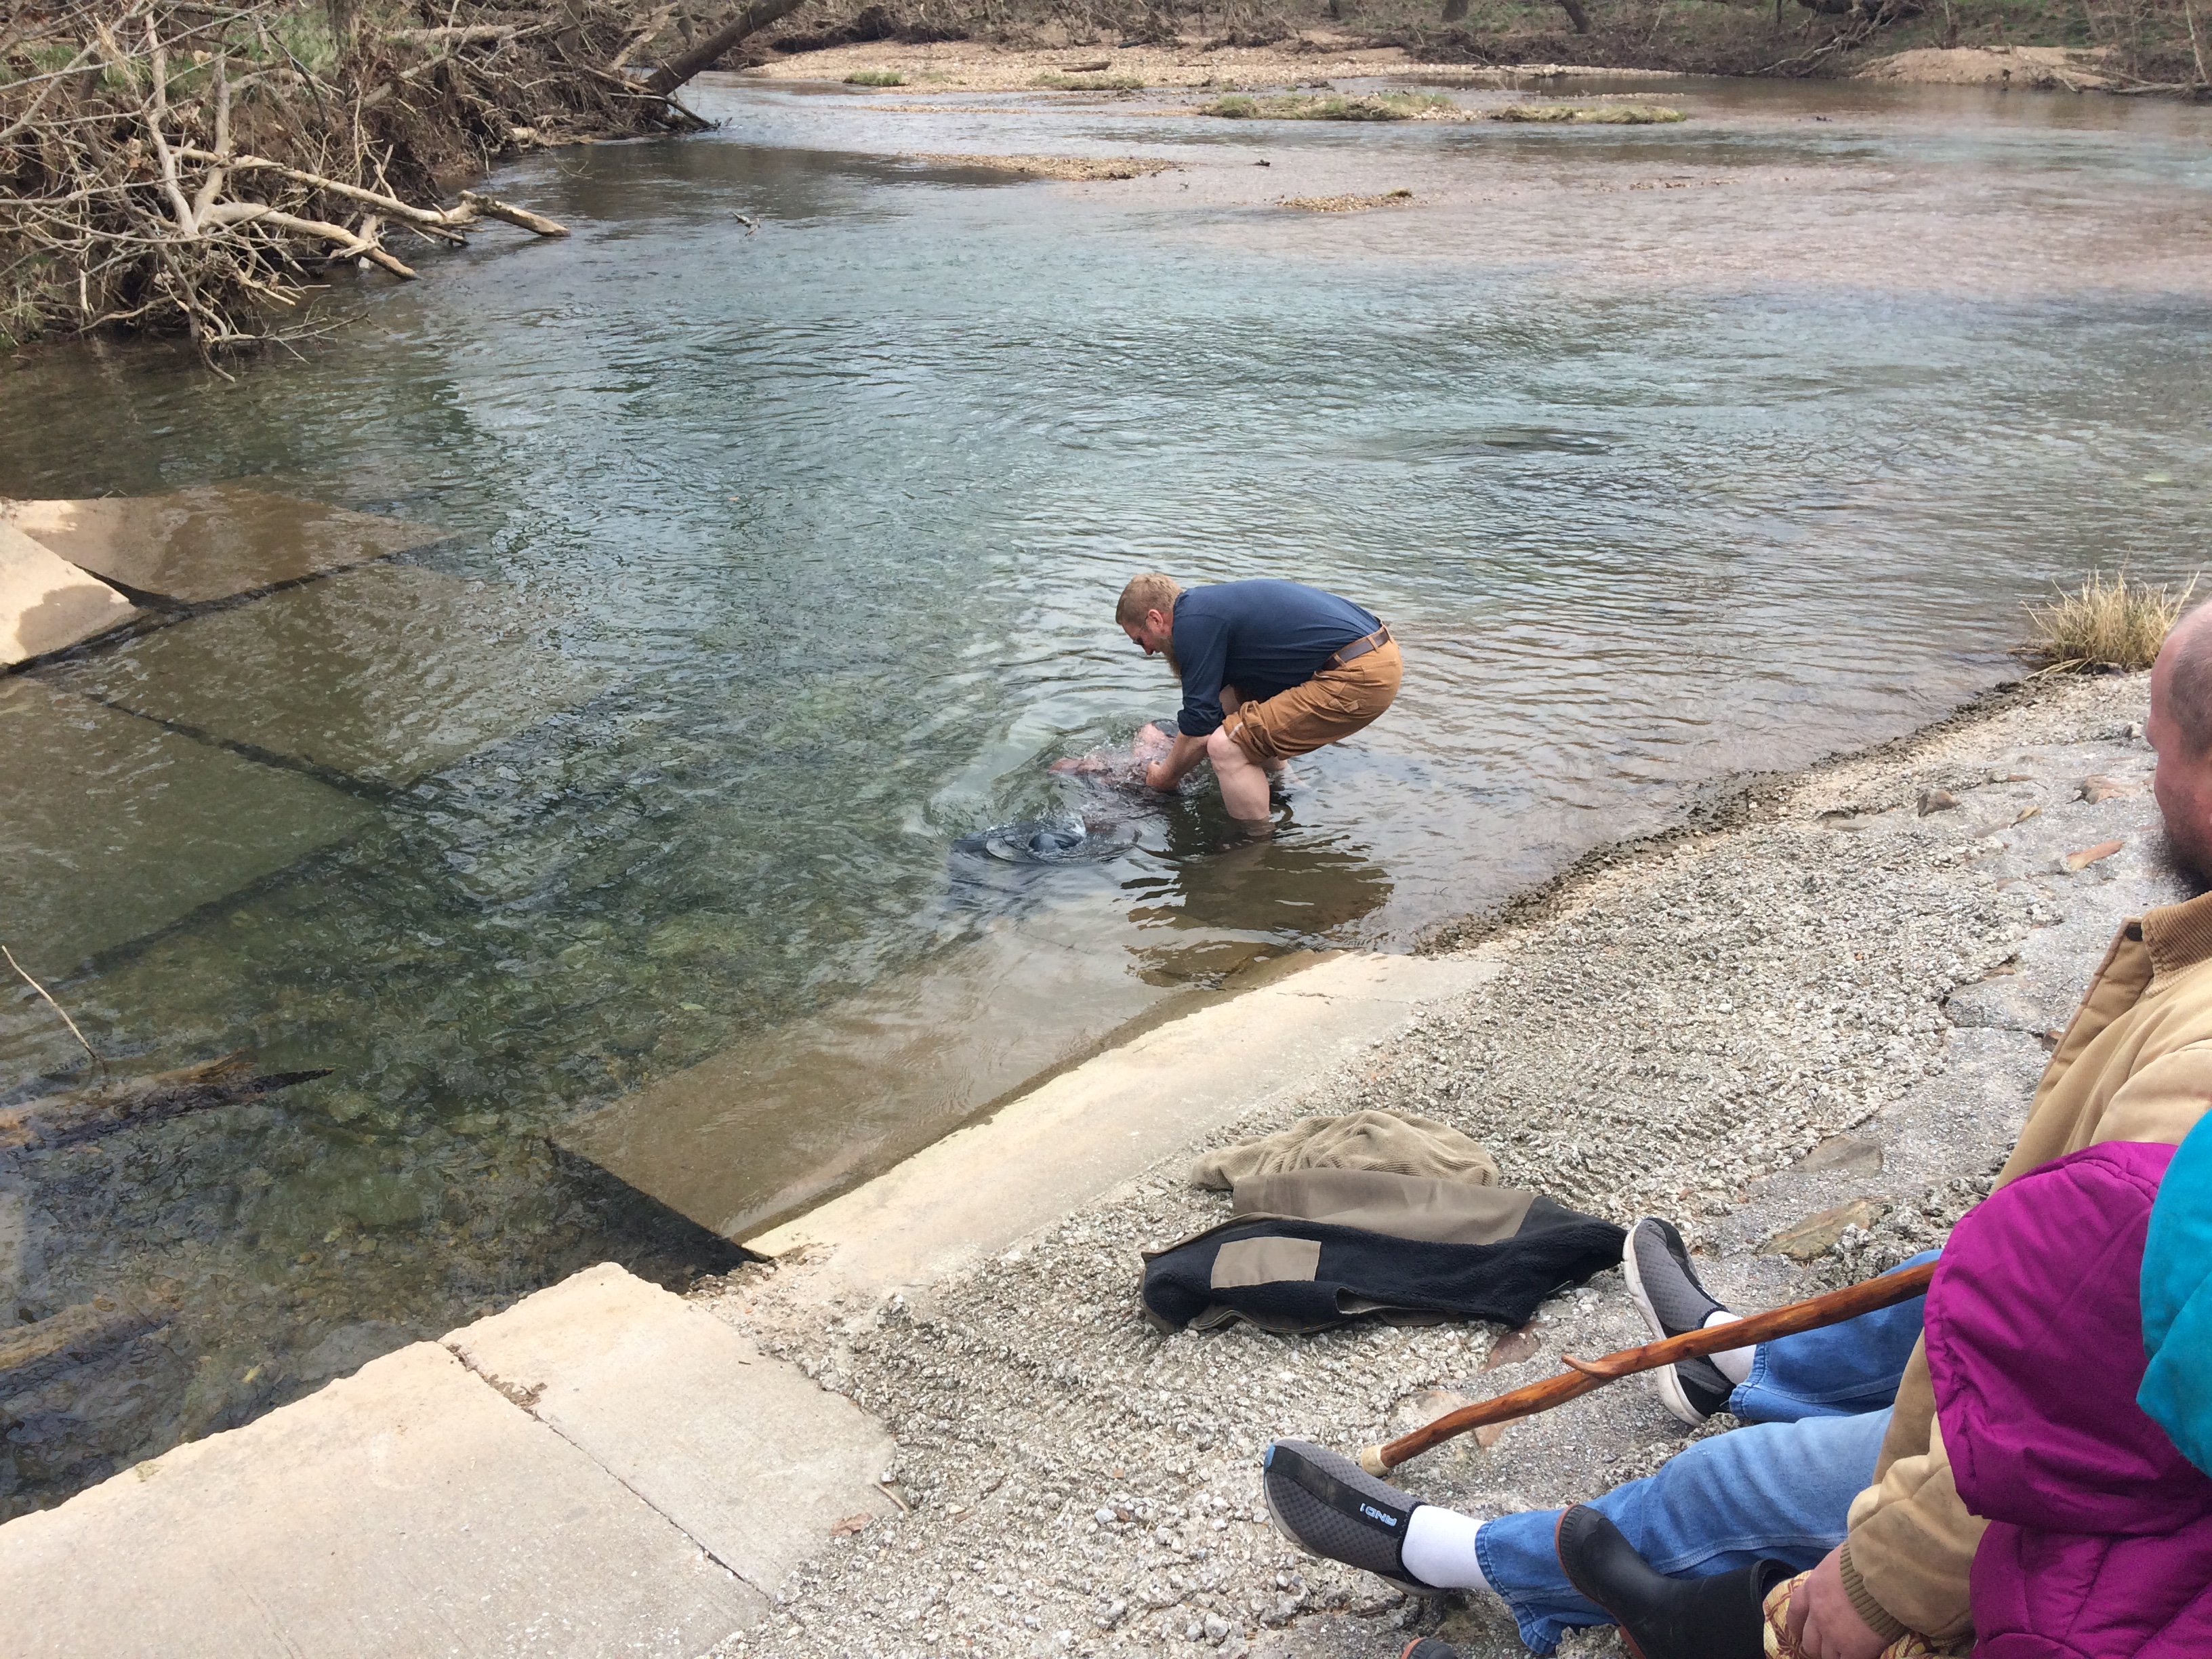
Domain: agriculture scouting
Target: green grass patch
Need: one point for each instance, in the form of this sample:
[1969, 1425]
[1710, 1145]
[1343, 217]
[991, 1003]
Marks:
[1089, 82]
[1591, 115]
[875, 78]
[1330, 107]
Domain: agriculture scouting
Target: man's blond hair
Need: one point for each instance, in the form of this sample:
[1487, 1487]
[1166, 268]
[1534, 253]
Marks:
[1150, 592]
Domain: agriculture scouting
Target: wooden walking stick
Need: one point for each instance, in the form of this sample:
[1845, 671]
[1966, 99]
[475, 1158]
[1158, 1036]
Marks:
[1589, 1375]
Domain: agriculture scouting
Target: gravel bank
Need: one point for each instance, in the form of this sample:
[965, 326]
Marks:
[1825, 997]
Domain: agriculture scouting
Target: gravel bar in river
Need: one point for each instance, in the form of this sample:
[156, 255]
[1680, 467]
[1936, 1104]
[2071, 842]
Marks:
[1824, 998]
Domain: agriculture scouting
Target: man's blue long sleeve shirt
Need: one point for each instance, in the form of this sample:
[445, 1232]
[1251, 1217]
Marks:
[1261, 636]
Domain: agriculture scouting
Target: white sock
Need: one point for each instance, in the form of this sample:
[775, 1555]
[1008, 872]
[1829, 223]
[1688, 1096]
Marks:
[1439, 1549]
[1733, 1363]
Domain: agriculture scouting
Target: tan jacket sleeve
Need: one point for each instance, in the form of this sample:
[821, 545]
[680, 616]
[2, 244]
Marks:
[1911, 1543]
[2161, 1101]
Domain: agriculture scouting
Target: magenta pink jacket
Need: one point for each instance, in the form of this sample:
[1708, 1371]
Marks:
[2100, 1544]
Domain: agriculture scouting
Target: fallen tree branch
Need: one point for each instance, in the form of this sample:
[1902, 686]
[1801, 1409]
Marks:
[462, 34]
[344, 244]
[710, 50]
[211, 186]
[390, 204]
[99, 1065]
[492, 208]
[33, 1353]
[62, 1120]
[155, 113]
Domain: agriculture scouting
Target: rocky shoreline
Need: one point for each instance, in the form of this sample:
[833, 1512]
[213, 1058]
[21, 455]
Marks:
[1805, 1022]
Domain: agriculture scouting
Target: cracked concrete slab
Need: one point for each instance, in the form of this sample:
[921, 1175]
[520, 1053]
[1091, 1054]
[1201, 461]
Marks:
[212, 542]
[603, 1468]
[407, 1510]
[1084, 1131]
[755, 1462]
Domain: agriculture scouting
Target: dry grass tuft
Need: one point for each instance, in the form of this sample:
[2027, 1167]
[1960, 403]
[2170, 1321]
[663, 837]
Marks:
[875, 77]
[2115, 623]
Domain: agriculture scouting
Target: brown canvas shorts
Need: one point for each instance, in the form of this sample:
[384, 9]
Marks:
[1334, 703]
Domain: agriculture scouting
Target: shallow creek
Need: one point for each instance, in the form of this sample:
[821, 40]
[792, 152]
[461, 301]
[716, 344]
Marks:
[1668, 450]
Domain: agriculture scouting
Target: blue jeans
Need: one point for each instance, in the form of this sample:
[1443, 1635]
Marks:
[1818, 1405]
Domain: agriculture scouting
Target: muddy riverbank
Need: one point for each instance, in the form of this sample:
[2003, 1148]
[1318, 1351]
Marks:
[1809, 1021]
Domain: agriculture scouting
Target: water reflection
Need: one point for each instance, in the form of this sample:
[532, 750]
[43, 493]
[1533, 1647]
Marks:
[1306, 889]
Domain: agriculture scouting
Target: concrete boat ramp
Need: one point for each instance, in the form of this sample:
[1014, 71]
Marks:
[212, 685]
[603, 1468]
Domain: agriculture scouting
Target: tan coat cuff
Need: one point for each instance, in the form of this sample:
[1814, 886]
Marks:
[1878, 1619]
[1913, 1541]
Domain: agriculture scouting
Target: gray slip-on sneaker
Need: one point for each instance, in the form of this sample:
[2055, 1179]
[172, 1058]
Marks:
[1328, 1506]
[1656, 1264]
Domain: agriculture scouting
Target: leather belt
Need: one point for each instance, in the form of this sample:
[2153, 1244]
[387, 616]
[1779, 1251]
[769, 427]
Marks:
[1359, 647]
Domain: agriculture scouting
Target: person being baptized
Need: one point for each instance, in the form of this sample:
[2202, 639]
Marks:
[1124, 768]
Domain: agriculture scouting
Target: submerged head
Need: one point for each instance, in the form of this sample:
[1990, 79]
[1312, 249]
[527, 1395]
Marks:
[2180, 731]
[1146, 613]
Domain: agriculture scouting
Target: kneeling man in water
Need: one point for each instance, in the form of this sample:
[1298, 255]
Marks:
[1269, 670]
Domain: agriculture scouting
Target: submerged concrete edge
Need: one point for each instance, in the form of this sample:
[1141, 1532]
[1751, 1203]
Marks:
[1080, 1132]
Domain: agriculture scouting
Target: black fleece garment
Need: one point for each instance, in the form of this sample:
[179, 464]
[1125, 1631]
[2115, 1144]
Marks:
[1356, 1272]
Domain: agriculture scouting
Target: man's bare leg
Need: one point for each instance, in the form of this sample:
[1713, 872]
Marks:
[1244, 783]
[1232, 701]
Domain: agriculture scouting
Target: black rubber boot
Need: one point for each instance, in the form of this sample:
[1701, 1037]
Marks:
[1720, 1617]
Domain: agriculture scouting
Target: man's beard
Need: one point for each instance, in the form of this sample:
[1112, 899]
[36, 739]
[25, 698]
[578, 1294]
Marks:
[1167, 653]
[2194, 869]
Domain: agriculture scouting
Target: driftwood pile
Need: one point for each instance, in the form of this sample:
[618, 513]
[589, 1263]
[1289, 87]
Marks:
[175, 166]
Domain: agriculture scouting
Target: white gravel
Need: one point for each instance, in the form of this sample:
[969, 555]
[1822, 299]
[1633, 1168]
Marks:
[1676, 1025]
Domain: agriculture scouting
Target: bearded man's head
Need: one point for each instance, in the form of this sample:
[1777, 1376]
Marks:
[2180, 731]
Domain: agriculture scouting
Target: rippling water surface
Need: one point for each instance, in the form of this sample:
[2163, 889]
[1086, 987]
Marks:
[1668, 452]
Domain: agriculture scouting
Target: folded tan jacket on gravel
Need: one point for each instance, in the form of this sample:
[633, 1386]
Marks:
[2135, 1065]
[1398, 1142]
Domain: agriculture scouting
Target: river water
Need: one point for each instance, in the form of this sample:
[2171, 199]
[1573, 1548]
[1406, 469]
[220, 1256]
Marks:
[1668, 452]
